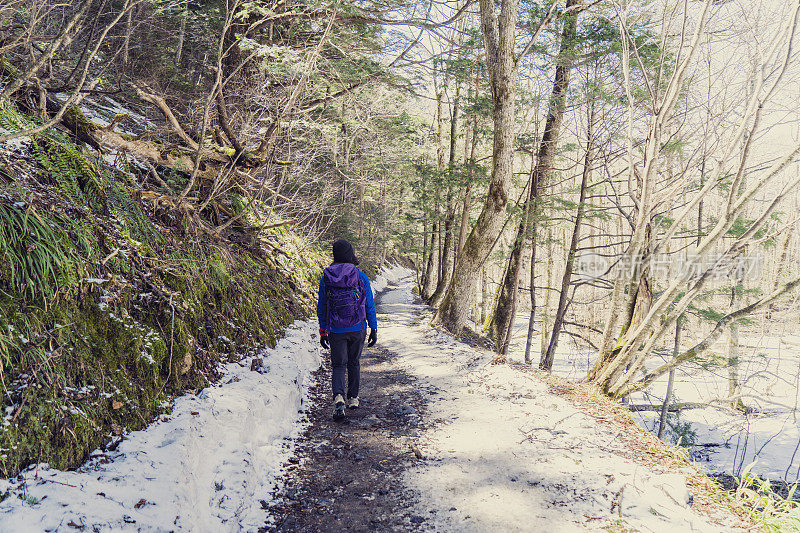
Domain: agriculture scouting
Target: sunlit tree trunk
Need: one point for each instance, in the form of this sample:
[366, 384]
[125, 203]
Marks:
[432, 268]
[503, 316]
[499, 31]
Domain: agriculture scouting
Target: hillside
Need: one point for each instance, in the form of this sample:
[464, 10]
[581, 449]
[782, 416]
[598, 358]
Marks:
[112, 304]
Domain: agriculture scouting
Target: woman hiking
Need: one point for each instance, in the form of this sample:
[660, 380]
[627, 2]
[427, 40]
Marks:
[344, 308]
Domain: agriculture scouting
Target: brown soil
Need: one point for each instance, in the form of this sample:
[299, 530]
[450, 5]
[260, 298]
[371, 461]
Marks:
[346, 476]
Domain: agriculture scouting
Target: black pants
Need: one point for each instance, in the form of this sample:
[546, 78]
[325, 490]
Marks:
[346, 357]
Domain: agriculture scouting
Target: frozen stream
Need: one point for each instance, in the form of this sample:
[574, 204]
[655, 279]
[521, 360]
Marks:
[723, 440]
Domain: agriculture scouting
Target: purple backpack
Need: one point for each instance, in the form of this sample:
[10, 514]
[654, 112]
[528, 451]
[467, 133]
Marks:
[345, 296]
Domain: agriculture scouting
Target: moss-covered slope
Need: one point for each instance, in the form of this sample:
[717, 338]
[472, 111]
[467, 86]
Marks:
[114, 298]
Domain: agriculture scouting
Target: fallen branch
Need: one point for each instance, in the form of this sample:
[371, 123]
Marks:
[674, 408]
[157, 178]
[162, 105]
[278, 224]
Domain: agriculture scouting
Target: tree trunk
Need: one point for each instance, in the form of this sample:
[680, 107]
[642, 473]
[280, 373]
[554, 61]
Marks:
[448, 257]
[638, 305]
[127, 41]
[500, 330]
[181, 34]
[545, 322]
[532, 317]
[734, 392]
[453, 311]
[499, 32]
[662, 422]
[440, 169]
[503, 313]
[484, 294]
[439, 133]
[432, 267]
[440, 255]
[423, 267]
[566, 281]
[780, 268]
[733, 365]
[470, 162]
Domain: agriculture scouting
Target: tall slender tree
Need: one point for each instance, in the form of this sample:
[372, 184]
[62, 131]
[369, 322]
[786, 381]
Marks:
[503, 317]
[499, 32]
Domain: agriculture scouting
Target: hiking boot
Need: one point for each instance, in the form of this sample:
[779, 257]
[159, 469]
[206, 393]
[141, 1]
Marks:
[338, 410]
[352, 403]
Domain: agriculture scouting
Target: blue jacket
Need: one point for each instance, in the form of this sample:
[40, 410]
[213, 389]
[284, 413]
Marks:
[322, 314]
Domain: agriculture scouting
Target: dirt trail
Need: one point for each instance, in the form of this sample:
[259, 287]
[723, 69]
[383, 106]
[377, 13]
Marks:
[345, 476]
[503, 451]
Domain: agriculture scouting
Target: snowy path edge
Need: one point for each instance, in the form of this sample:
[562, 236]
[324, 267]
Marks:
[205, 466]
[502, 452]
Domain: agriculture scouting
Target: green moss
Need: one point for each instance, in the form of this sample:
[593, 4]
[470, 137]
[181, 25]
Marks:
[143, 311]
[73, 172]
[81, 124]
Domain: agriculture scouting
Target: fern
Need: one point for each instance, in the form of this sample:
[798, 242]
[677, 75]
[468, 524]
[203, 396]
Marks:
[129, 214]
[40, 258]
[73, 173]
[11, 119]
[55, 170]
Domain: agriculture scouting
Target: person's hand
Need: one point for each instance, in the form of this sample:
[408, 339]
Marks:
[373, 337]
[323, 339]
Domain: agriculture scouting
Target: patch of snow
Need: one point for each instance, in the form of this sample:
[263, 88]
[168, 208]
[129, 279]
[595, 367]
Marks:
[204, 467]
[15, 144]
[389, 275]
[504, 454]
[115, 107]
[722, 439]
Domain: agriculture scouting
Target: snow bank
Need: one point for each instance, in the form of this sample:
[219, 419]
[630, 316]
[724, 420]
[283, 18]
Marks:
[504, 454]
[390, 275]
[205, 467]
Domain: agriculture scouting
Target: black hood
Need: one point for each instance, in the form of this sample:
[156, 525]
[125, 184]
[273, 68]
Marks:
[343, 252]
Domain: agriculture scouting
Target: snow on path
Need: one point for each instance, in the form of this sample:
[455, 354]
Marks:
[204, 467]
[504, 454]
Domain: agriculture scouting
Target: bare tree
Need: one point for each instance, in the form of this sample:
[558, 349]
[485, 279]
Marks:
[617, 369]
